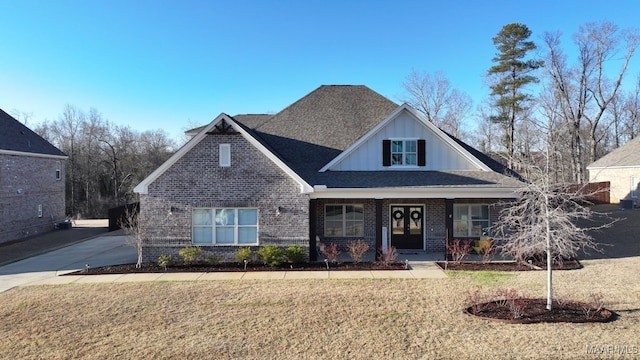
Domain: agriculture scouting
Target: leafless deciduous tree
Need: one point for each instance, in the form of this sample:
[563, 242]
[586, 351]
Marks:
[441, 104]
[544, 221]
[136, 235]
[583, 90]
[105, 161]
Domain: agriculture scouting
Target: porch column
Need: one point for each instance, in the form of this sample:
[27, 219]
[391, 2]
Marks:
[378, 225]
[313, 255]
[448, 206]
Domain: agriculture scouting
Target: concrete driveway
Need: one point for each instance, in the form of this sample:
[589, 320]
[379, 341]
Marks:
[99, 251]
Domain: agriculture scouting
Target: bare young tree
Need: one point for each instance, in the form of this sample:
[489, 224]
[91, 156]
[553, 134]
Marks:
[131, 223]
[544, 221]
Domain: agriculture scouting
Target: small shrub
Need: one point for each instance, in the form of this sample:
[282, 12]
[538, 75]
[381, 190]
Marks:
[295, 253]
[595, 304]
[357, 249]
[189, 254]
[513, 300]
[271, 255]
[476, 299]
[331, 252]
[458, 249]
[213, 259]
[388, 256]
[165, 260]
[242, 254]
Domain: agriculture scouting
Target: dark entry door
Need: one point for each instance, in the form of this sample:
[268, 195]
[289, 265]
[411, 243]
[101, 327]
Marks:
[406, 227]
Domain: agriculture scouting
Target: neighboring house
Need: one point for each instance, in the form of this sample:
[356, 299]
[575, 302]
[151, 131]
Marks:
[32, 186]
[340, 164]
[621, 168]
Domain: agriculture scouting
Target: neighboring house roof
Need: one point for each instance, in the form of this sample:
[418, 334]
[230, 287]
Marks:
[628, 155]
[328, 123]
[17, 139]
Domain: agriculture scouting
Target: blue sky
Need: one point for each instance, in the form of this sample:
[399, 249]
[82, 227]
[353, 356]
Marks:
[173, 64]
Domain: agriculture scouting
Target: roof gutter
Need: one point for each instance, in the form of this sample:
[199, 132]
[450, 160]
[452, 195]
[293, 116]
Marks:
[322, 192]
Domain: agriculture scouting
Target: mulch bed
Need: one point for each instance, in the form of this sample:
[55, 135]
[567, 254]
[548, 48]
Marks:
[506, 266]
[535, 311]
[151, 267]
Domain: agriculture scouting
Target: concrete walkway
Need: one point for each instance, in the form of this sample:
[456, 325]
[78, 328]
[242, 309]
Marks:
[110, 250]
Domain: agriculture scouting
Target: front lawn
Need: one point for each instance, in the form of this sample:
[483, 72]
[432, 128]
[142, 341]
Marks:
[313, 319]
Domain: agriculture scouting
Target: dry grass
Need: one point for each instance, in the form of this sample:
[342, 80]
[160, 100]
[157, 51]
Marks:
[323, 319]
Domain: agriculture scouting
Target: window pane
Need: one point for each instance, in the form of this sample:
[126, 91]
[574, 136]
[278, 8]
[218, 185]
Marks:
[247, 235]
[224, 235]
[477, 226]
[410, 146]
[333, 228]
[354, 212]
[354, 228]
[396, 159]
[459, 211]
[396, 146]
[460, 228]
[202, 217]
[411, 159]
[225, 217]
[202, 235]
[247, 217]
[333, 213]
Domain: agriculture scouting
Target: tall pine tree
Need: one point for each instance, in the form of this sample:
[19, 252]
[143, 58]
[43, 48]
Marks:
[511, 74]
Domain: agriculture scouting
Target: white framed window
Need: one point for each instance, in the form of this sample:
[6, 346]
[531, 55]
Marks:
[224, 155]
[470, 220]
[404, 152]
[225, 226]
[344, 220]
[634, 187]
[40, 210]
[58, 170]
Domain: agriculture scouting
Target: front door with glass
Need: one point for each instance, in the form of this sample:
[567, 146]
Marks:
[407, 227]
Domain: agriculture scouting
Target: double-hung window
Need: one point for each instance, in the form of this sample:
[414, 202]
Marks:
[404, 152]
[634, 187]
[344, 220]
[470, 220]
[410, 153]
[225, 226]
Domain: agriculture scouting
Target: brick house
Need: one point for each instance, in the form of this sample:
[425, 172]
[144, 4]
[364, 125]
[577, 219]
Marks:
[621, 168]
[32, 186]
[342, 163]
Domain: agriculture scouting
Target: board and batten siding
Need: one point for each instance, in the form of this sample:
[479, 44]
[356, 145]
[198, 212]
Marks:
[440, 155]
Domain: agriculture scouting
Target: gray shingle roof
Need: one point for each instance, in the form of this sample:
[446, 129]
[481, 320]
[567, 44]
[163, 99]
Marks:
[14, 136]
[333, 116]
[626, 155]
[315, 129]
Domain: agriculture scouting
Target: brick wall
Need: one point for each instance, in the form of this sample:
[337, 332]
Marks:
[434, 223]
[25, 183]
[196, 180]
[369, 235]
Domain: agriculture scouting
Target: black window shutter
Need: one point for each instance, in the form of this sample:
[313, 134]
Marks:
[386, 152]
[422, 153]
